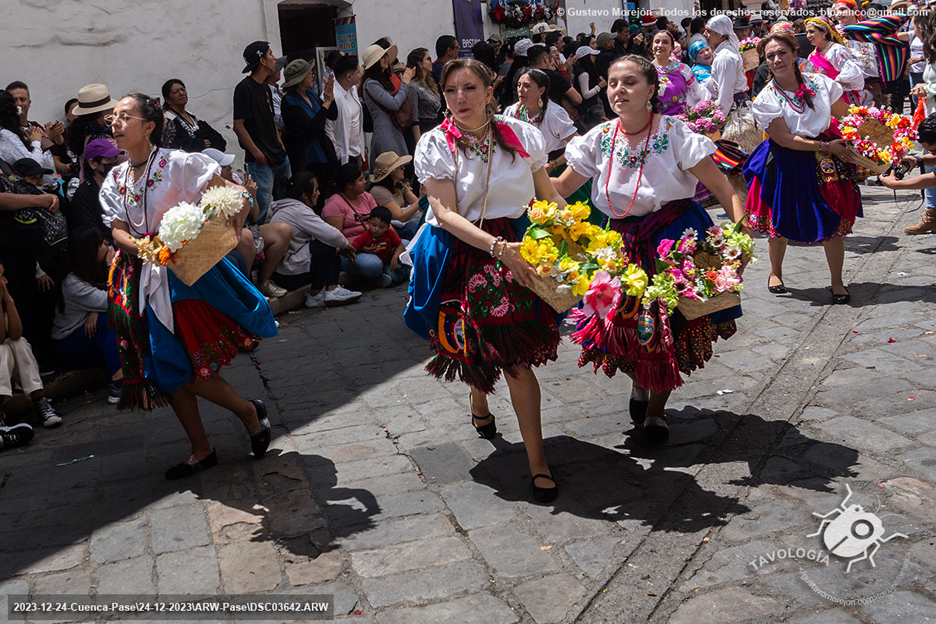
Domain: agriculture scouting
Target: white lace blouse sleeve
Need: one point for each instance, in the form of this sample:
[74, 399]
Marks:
[851, 76]
[111, 201]
[766, 108]
[433, 158]
[199, 171]
[583, 153]
[690, 148]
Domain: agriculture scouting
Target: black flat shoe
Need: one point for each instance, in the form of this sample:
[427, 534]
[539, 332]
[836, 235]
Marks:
[656, 431]
[180, 471]
[841, 299]
[638, 411]
[260, 441]
[779, 289]
[544, 495]
[488, 431]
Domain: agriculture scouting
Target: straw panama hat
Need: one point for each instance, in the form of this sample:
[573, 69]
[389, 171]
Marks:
[372, 54]
[386, 163]
[93, 98]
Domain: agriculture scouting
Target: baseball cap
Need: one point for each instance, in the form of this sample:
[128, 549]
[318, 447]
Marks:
[101, 148]
[218, 156]
[522, 46]
[603, 38]
[253, 53]
[29, 167]
[585, 50]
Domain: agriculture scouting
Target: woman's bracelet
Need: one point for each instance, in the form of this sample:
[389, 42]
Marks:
[248, 197]
[499, 239]
[502, 249]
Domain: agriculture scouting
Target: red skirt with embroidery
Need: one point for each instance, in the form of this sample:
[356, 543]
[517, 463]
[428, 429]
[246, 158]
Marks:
[211, 338]
[487, 322]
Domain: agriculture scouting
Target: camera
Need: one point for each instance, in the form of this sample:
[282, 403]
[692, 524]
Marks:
[900, 170]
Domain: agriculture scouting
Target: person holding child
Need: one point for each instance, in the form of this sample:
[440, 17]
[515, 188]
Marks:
[381, 240]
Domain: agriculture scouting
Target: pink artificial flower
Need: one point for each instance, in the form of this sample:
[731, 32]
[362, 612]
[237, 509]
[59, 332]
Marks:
[687, 246]
[676, 274]
[665, 247]
[603, 295]
[715, 231]
[727, 279]
[683, 287]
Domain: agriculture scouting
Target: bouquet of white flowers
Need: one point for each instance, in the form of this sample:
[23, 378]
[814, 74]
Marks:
[193, 238]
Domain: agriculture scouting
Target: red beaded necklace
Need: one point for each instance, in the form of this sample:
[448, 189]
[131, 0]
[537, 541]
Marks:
[643, 159]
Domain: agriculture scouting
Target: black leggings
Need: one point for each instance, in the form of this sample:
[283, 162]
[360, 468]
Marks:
[324, 267]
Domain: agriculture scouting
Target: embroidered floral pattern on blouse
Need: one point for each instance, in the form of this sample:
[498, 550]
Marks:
[626, 155]
[135, 198]
[482, 148]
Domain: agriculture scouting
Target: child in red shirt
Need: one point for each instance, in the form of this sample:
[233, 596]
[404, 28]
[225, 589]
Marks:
[382, 240]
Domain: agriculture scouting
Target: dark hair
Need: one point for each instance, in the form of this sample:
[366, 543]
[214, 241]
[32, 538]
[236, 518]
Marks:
[535, 53]
[69, 104]
[789, 40]
[484, 52]
[331, 57]
[648, 69]
[540, 78]
[167, 89]
[83, 245]
[385, 43]
[685, 22]
[509, 93]
[382, 76]
[17, 84]
[150, 111]
[345, 64]
[697, 25]
[9, 118]
[487, 78]
[413, 59]
[381, 214]
[347, 175]
[302, 183]
[552, 37]
[619, 25]
[927, 130]
[86, 127]
[928, 35]
[443, 44]
[662, 22]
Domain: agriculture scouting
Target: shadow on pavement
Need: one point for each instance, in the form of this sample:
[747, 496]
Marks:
[655, 485]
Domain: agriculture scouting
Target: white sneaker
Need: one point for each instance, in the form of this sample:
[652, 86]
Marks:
[315, 301]
[269, 289]
[340, 296]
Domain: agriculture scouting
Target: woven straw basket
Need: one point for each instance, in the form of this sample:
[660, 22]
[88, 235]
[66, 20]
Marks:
[545, 289]
[693, 308]
[751, 59]
[196, 257]
[880, 135]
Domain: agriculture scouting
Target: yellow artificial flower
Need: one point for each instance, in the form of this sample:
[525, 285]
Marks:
[580, 211]
[537, 215]
[531, 251]
[578, 230]
[580, 286]
[635, 279]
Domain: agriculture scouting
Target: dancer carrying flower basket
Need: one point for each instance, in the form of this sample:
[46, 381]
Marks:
[469, 291]
[644, 168]
[174, 338]
[802, 180]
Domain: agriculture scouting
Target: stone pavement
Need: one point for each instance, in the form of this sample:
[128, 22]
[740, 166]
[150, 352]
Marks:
[379, 492]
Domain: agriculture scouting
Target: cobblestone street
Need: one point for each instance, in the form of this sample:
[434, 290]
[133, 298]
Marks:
[378, 490]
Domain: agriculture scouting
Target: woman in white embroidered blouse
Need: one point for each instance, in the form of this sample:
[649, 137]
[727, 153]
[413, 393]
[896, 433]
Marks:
[174, 338]
[802, 182]
[644, 168]
[831, 58]
[469, 290]
[536, 109]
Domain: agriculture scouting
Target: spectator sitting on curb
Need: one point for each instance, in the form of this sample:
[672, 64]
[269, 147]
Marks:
[17, 360]
[316, 248]
[382, 240]
[265, 243]
[81, 337]
[85, 210]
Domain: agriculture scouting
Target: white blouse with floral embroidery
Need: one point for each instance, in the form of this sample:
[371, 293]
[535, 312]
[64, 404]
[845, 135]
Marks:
[672, 150]
[773, 102]
[174, 177]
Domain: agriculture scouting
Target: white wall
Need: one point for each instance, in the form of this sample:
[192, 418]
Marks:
[58, 46]
[409, 24]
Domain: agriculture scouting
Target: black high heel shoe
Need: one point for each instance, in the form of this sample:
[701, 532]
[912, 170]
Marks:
[841, 299]
[488, 431]
[260, 441]
[180, 471]
[544, 495]
[779, 289]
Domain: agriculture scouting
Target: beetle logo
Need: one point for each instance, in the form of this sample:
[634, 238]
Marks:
[853, 532]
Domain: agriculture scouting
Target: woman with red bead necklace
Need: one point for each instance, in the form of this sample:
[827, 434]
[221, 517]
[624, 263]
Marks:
[802, 185]
[644, 167]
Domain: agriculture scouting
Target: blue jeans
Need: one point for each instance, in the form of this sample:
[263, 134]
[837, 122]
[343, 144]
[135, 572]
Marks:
[370, 266]
[81, 351]
[409, 230]
[930, 192]
[265, 177]
[915, 79]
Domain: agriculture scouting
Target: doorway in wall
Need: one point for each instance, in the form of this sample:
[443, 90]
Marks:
[305, 29]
